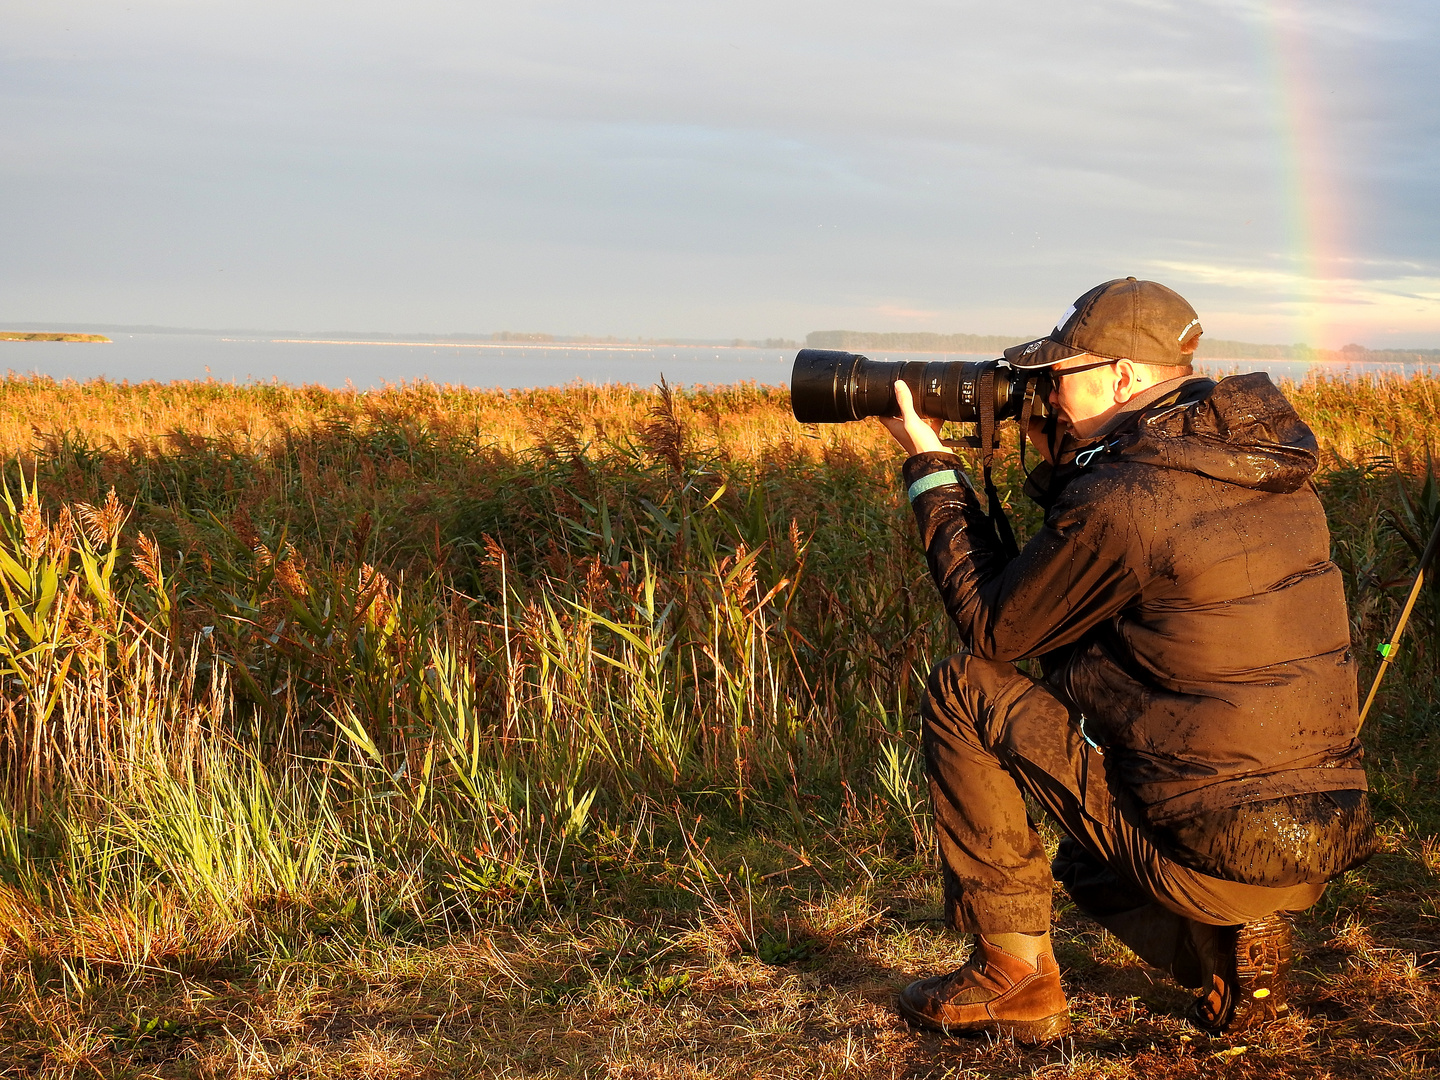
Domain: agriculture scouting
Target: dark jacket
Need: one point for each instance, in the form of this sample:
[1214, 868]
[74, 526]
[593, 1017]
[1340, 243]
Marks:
[1182, 596]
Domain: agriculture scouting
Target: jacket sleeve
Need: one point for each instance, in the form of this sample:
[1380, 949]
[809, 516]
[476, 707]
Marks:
[1057, 588]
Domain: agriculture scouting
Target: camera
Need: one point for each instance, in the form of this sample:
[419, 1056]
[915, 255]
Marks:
[831, 387]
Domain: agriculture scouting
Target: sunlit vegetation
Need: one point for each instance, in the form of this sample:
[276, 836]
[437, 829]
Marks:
[30, 335]
[567, 732]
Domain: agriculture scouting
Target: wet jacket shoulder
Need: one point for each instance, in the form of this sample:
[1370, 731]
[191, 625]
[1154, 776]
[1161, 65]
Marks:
[1183, 575]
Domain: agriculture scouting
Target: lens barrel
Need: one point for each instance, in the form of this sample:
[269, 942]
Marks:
[830, 387]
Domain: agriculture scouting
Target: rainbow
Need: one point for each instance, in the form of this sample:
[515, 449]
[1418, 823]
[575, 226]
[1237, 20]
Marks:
[1314, 218]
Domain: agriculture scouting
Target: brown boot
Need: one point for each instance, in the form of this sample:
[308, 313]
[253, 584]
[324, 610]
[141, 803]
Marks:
[1251, 977]
[994, 992]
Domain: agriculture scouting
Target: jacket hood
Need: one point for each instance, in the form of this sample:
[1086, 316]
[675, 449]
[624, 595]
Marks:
[1240, 431]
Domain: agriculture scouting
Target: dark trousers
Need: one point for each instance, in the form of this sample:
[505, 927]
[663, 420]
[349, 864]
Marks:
[992, 733]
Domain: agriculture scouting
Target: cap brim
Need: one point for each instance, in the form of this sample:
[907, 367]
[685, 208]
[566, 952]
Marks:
[1040, 353]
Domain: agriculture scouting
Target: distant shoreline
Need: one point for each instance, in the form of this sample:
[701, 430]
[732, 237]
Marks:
[18, 335]
[861, 340]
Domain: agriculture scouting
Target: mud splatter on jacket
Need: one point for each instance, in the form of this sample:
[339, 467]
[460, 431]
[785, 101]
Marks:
[1182, 596]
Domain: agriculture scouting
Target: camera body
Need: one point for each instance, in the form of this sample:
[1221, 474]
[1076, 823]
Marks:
[831, 387]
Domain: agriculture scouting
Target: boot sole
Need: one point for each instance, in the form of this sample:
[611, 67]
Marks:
[1026, 1031]
[1263, 954]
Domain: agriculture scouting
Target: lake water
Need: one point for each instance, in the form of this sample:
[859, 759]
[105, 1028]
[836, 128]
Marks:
[168, 357]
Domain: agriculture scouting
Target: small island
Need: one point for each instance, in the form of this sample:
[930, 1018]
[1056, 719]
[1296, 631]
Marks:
[21, 335]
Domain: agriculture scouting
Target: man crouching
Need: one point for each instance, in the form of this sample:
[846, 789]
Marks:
[1194, 732]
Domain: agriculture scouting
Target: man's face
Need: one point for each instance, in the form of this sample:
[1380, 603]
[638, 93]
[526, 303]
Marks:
[1083, 400]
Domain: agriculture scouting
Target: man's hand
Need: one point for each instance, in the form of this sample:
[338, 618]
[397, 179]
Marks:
[915, 433]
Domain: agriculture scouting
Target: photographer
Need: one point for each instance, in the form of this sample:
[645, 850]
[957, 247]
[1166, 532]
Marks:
[1193, 733]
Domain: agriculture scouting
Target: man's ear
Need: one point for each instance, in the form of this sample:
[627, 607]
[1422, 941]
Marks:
[1127, 382]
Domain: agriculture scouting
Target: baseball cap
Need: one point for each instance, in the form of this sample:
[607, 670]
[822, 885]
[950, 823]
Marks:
[1124, 319]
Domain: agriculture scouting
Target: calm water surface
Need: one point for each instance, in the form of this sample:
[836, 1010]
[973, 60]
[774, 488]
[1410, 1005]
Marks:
[168, 357]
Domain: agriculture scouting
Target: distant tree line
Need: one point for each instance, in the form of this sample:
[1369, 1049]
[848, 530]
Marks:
[1352, 353]
[591, 339]
[851, 340]
[860, 340]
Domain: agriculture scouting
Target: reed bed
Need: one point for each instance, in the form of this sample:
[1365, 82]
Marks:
[520, 712]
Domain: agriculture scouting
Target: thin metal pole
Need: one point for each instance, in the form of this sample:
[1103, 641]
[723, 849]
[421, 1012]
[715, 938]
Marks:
[1387, 651]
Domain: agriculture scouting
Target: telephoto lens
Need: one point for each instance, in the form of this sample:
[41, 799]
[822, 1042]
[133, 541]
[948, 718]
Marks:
[828, 387]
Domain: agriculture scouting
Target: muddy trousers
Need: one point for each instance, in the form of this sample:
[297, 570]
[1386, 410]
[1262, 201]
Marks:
[991, 735]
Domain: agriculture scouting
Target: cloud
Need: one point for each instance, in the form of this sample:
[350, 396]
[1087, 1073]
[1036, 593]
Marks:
[688, 168]
[891, 314]
[1368, 307]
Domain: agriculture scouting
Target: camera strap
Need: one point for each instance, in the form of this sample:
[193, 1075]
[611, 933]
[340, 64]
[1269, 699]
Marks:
[986, 424]
[1027, 410]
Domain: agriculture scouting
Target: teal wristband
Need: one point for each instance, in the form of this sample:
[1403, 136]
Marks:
[934, 480]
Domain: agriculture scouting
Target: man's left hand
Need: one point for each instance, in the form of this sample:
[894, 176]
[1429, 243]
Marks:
[917, 434]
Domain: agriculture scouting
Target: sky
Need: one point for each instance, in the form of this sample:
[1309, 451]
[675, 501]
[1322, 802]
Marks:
[712, 170]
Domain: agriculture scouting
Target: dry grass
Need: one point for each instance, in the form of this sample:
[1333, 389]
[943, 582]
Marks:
[145, 417]
[605, 997]
[436, 732]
